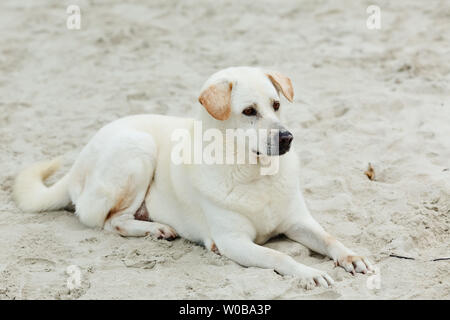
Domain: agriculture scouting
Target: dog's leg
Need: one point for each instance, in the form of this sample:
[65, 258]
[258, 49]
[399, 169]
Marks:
[304, 229]
[245, 252]
[116, 186]
[233, 234]
[126, 225]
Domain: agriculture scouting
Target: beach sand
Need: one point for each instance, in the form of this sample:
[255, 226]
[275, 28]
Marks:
[362, 96]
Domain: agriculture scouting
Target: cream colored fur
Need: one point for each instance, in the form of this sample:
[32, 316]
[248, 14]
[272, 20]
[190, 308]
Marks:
[231, 208]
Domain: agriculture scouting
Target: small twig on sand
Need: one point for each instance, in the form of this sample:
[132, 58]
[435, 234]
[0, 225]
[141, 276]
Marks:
[440, 259]
[370, 172]
[400, 257]
[409, 258]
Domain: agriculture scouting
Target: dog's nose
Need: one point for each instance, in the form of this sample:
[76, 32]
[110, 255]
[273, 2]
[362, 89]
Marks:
[284, 138]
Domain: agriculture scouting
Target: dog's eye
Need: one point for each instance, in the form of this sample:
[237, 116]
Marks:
[276, 105]
[250, 111]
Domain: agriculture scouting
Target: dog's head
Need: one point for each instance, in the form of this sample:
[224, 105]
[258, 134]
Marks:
[249, 99]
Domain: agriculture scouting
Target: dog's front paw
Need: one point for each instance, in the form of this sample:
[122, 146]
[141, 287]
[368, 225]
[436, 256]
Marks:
[313, 278]
[353, 263]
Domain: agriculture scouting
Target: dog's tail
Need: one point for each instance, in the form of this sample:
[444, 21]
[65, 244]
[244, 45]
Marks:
[30, 192]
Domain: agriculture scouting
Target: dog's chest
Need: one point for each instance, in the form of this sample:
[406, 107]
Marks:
[263, 201]
[266, 208]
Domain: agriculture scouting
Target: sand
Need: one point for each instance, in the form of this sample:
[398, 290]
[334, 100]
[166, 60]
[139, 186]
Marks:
[378, 96]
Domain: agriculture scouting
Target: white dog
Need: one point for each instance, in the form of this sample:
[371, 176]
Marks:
[125, 181]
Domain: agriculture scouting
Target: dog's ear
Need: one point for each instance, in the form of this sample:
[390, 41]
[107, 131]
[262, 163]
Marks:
[282, 83]
[217, 100]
